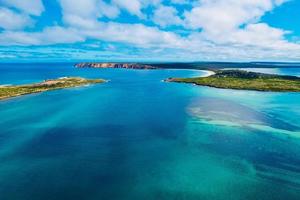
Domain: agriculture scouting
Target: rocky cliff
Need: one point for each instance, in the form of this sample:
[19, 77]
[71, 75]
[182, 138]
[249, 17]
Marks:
[114, 65]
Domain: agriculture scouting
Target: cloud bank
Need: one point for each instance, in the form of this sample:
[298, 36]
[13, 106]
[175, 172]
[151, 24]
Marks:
[175, 30]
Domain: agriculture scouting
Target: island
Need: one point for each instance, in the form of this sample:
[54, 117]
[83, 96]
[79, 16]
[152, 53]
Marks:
[244, 80]
[114, 65]
[53, 84]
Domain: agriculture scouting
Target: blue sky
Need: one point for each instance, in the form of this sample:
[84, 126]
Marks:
[149, 30]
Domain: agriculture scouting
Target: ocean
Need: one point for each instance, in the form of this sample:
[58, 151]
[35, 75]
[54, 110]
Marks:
[138, 137]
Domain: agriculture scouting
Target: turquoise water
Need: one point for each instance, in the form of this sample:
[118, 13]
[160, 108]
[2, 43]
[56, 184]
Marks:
[137, 137]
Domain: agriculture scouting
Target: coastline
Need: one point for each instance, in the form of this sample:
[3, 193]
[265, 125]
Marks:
[208, 73]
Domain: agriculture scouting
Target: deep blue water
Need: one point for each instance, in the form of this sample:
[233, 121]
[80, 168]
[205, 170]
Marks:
[136, 137]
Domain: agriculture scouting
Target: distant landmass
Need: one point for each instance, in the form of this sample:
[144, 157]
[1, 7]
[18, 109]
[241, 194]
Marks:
[223, 65]
[187, 65]
[114, 65]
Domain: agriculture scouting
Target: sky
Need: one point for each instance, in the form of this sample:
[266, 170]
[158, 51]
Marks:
[150, 30]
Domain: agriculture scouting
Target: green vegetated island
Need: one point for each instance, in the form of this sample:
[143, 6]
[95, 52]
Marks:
[244, 80]
[47, 85]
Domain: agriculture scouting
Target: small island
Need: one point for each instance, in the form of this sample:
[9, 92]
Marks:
[244, 80]
[54, 84]
[114, 65]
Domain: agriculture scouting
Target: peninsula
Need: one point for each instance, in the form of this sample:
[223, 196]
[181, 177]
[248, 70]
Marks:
[114, 65]
[244, 80]
[54, 84]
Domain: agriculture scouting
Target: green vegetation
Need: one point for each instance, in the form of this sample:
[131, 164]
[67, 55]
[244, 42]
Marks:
[68, 82]
[243, 80]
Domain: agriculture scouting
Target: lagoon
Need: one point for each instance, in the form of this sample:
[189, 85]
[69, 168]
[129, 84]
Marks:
[137, 137]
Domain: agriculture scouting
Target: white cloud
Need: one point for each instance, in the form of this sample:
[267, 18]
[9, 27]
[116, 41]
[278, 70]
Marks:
[80, 22]
[232, 27]
[255, 42]
[133, 6]
[136, 34]
[85, 13]
[11, 20]
[8, 38]
[214, 30]
[32, 7]
[166, 15]
[133, 34]
[59, 35]
[93, 9]
[223, 15]
[108, 10]
[87, 24]
[83, 8]
[49, 36]
[261, 35]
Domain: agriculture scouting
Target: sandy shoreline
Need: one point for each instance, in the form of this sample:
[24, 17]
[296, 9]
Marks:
[208, 73]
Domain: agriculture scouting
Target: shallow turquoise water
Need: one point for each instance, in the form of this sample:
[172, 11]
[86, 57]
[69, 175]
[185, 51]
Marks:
[137, 137]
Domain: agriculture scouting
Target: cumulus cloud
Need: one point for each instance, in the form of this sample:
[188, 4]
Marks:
[166, 16]
[261, 35]
[133, 6]
[133, 34]
[83, 13]
[87, 24]
[108, 10]
[32, 7]
[213, 29]
[136, 34]
[234, 26]
[11, 20]
[50, 35]
[221, 15]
